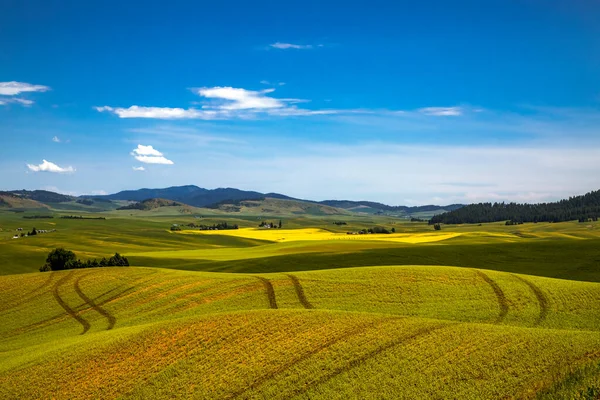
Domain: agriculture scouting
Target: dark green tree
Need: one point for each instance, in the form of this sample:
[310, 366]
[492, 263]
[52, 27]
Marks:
[57, 260]
[118, 261]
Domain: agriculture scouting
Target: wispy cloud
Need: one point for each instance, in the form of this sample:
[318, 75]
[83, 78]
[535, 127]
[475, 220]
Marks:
[287, 46]
[141, 168]
[224, 102]
[149, 155]
[14, 88]
[55, 139]
[158, 112]
[10, 89]
[16, 100]
[265, 82]
[230, 98]
[441, 111]
[47, 166]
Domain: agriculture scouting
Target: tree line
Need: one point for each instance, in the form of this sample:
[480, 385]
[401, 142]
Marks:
[582, 208]
[214, 227]
[375, 229]
[80, 217]
[61, 259]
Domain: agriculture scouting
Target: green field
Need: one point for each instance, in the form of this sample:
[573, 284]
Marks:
[469, 312]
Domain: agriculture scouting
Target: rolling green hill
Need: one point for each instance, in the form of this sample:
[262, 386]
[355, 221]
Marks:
[14, 201]
[385, 332]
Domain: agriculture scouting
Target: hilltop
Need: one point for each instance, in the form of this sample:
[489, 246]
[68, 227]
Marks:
[14, 201]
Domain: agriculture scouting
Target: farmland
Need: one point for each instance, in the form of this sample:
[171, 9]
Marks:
[307, 311]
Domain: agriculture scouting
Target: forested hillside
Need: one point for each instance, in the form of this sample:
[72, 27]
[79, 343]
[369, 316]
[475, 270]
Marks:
[582, 208]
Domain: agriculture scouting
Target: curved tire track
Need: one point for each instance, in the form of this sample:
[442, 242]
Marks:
[358, 361]
[541, 298]
[502, 302]
[74, 314]
[80, 308]
[111, 318]
[269, 290]
[300, 292]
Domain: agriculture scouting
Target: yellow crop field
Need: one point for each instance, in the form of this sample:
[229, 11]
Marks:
[306, 234]
[384, 332]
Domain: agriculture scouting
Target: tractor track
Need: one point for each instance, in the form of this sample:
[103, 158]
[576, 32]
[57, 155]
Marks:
[78, 309]
[540, 296]
[300, 292]
[269, 291]
[74, 314]
[112, 320]
[502, 301]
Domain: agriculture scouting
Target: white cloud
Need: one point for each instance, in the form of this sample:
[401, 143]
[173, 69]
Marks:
[146, 151]
[286, 46]
[154, 160]
[24, 102]
[266, 82]
[158, 112]
[47, 166]
[139, 168]
[441, 111]
[13, 88]
[55, 139]
[223, 103]
[240, 99]
[149, 155]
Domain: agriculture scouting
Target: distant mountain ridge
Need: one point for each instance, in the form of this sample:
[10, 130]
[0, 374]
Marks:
[191, 195]
[196, 196]
[200, 197]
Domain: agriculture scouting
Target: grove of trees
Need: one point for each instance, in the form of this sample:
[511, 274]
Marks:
[582, 208]
[61, 259]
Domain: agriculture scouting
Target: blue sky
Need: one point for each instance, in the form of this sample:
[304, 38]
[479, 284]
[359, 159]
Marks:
[436, 102]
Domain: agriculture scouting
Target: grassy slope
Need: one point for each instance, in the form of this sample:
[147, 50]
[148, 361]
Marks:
[395, 332]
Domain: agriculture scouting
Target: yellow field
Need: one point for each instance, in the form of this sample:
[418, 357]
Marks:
[384, 332]
[311, 234]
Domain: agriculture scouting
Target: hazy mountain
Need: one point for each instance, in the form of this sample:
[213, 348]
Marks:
[199, 197]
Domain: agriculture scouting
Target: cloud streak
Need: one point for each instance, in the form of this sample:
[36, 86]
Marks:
[442, 111]
[14, 88]
[47, 166]
[288, 46]
[224, 103]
